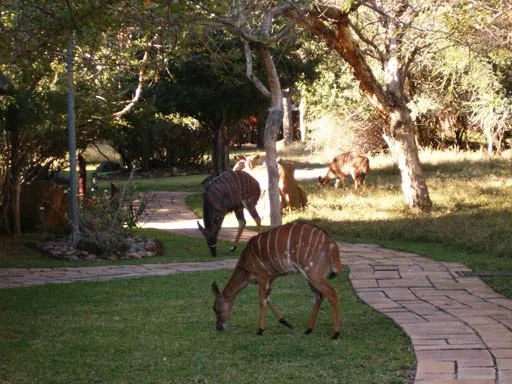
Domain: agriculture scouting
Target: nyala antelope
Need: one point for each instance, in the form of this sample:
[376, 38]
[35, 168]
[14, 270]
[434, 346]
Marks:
[228, 192]
[349, 163]
[283, 250]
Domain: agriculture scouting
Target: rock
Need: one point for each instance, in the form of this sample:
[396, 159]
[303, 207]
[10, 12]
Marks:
[88, 247]
[133, 248]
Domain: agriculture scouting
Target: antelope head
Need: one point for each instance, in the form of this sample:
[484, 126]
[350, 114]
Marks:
[210, 233]
[222, 308]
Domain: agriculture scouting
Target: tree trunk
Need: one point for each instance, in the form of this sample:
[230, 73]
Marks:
[302, 123]
[490, 141]
[272, 124]
[388, 102]
[82, 176]
[16, 214]
[11, 218]
[402, 144]
[220, 154]
[287, 118]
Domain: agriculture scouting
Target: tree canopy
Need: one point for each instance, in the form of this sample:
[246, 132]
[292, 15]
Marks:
[437, 74]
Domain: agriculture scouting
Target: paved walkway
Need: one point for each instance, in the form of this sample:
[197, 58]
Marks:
[461, 330]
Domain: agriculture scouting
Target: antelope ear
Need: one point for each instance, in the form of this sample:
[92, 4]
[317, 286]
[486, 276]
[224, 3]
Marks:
[215, 289]
[200, 227]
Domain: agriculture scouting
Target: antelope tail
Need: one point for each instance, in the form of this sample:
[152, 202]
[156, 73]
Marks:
[334, 260]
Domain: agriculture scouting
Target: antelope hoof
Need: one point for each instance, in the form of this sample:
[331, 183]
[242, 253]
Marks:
[260, 331]
[233, 248]
[336, 335]
[308, 331]
[286, 323]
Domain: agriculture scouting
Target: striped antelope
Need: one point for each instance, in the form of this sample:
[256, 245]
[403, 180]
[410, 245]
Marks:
[349, 163]
[283, 250]
[230, 191]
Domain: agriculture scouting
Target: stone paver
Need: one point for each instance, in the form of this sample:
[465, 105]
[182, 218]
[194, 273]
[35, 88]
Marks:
[460, 329]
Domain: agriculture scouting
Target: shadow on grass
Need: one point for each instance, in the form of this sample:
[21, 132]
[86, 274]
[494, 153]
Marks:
[483, 239]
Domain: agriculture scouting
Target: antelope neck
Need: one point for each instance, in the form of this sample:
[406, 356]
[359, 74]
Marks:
[236, 283]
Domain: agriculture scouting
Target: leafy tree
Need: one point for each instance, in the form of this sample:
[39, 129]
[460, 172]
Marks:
[205, 82]
[34, 38]
[481, 30]
[385, 31]
[261, 28]
[30, 128]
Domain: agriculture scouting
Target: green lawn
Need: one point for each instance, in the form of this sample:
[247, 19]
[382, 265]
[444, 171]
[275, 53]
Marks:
[189, 183]
[178, 248]
[162, 330]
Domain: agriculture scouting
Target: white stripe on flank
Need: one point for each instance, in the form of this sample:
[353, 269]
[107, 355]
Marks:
[306, 252]
[264, 267]
[318, 237]
[299, 245]
[303, 272]
[289, 237]
[259, 248]
[288, 250]
[278, 255]
[229, 187]
[322, 247]
[239, 185]
[213, 192]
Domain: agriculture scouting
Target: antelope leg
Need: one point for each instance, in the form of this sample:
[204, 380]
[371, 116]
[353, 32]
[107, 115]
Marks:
[263, 287]
[323, 288]
[239, 213]
[332, 296]
[254, 214]
[277, 314]
[319, 297]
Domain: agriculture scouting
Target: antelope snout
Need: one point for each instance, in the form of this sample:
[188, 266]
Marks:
[221, 327]
[213, 250]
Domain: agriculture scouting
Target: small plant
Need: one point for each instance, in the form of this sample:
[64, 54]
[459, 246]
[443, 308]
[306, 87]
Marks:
[109, 217]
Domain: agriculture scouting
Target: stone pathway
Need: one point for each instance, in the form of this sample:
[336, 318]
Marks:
[461, 330]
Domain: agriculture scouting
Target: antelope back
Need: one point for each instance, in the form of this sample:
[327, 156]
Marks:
[351, 163]
[291, 248]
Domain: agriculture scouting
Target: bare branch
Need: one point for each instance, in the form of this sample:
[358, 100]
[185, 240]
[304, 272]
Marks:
[370, 43]
[249, 71]
[138, 91]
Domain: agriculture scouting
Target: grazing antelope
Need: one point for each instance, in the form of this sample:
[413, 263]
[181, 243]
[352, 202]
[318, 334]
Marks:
[247, 163]
[230, 191]
[283, 250]
[349, 163]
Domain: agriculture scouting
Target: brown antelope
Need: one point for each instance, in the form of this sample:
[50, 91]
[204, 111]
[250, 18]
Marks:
[230, 191]
[349, 163]
[249, 162]
[283, 250]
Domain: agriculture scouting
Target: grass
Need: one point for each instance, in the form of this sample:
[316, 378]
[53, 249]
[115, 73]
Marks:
[162, 330]
[471, 221]
[189, 183]
[178, 248]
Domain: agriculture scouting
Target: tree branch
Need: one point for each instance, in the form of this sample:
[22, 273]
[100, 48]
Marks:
[249, 70]
[138, 91]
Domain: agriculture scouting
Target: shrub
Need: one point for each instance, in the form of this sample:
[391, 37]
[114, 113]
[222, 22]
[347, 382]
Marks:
[109, 217]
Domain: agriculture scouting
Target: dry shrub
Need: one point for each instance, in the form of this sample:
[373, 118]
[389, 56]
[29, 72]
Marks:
[333, 134]
[108, 219]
